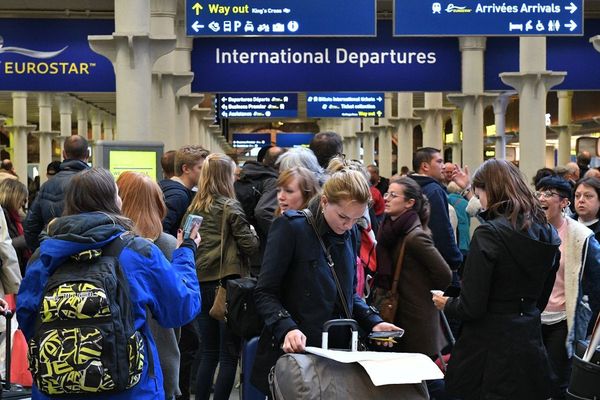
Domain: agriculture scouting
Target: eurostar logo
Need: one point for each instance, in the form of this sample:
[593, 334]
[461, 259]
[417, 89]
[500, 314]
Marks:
[451, 8]
[28, 52]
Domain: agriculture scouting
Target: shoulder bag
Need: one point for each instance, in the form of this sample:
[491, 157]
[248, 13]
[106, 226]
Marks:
[386, 301]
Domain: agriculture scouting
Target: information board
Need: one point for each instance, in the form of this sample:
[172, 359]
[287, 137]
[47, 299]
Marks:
[281, 18]
[250, 140]
[488, 17]
[351, 105]
[257, 105]
[294, 139]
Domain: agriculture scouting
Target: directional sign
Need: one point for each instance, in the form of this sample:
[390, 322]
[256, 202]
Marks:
[488, 17]
[245, 140]
[258, 105]
[281, 18]
[351, 105]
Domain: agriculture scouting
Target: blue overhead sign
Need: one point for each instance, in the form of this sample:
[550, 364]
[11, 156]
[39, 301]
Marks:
[351, 105]
[257, 105]
[575, 55]
[54, 55]
[488, 17]
[281, 18]
[250, 140]
[293, 139]
[382, 63]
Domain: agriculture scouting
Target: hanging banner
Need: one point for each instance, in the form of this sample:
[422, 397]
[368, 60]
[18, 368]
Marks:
[53, 55]
[382, 63]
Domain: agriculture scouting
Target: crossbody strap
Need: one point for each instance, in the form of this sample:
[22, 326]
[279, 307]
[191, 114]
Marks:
[223, 222]
[311, 221]
[399, 264]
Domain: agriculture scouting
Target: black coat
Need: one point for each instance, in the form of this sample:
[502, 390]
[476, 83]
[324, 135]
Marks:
[507, 280]
[177, 199]
[296, 289]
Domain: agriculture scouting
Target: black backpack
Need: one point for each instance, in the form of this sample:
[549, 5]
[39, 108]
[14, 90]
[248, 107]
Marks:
[248, 192]
[84, 340]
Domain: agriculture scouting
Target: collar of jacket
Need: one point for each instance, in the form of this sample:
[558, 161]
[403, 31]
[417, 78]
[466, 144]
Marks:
[73, 165]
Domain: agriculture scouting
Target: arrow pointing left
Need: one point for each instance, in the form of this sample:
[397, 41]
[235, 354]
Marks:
[197, 8]
[196, 26]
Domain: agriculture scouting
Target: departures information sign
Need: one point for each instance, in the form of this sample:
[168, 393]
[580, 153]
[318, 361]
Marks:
[488, 17]
[350, 105]
[257, 105]
[281, 18]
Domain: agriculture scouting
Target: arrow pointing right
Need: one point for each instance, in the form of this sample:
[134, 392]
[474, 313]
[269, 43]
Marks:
[571, 25]
[572, 7]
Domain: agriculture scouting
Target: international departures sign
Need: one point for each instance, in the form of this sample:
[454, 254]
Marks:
[281, 18]
[488, 17]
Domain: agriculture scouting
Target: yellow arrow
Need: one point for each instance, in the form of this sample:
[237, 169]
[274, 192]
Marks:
[197, 7]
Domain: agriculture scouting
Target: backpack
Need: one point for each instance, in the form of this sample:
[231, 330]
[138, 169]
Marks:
[248, 191]
[84, 340]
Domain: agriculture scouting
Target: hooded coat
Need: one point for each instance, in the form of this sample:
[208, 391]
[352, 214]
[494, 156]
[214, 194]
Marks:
[507, 280]
[169, 291]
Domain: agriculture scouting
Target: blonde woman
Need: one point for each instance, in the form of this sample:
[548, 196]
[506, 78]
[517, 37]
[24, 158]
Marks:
[296, 291]
[143, 203]
[227, 241]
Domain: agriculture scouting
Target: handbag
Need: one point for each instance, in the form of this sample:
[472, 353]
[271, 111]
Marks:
[386, 301]
[217, 311]
[241, 314]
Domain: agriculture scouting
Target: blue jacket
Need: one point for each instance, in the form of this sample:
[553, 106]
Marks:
[439, 223]
[464, 220]
[170, 291]
[49, 202]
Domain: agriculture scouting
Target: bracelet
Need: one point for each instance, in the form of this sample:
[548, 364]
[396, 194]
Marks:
[465, 191]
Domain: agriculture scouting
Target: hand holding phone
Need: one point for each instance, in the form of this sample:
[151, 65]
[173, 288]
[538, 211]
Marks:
[191, 222]
[386, 335]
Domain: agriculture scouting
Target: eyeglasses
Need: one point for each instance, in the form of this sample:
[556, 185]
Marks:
[392, 194]
[546, 194]
[586, 196]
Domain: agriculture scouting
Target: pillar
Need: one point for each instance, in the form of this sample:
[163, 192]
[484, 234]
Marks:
[45, 134]
[107, 123]
[500, 105]
[65, 109]
[96, 115]
[565, 128]
[383, 131]
[352, 143]
[533, 83]
[404, 125]
[456, 143]
[433, 115]
[133, 52]
[82, 120]
[185, 103]
[19, 131]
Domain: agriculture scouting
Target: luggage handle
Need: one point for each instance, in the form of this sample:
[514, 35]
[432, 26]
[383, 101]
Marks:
[594, 341]
[8, 314]
[340, 322]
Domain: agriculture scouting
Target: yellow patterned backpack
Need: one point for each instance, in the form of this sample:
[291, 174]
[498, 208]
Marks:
[85, 341]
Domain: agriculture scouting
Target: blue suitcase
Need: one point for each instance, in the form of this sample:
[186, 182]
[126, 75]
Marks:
[249, 391]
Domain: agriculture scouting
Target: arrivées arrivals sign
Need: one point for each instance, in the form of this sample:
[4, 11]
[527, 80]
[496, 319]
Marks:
[281, 18]
[488, 17]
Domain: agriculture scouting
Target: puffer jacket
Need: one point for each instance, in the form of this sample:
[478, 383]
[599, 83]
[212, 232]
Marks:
[50, 201]
[170, 291]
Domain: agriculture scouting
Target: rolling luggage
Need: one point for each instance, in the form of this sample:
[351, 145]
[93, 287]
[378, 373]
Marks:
[11, 391]
[311, 377]
[585, 372]
[247, 390]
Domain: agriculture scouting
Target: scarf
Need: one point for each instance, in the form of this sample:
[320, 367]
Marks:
[389, 237]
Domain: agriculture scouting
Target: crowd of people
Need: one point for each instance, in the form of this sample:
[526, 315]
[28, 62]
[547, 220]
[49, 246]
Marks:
[515, 270]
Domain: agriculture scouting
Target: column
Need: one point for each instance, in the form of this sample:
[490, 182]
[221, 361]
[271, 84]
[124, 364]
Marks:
[565, 128]
[472, 100]
[533, 83]
[133, 51]
[45, 134]
[200, 120]
[185, 103]
[352, 143]
[433, 115]
[65, 109]
[82, 120]
[19, 131]
[368, 141]
[96, 115]
[500, 105]
[456, 143]
[383, 131]
[107, 123]
[405, 124]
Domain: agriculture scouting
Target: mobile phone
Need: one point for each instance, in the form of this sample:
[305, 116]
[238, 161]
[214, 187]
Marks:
[452, 291]
[191, 222]
[386, 334]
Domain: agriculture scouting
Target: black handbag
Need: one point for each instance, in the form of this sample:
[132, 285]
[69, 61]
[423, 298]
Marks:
[241, 315]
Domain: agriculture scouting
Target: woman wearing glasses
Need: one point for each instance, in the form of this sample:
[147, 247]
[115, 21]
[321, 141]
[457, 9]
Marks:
[423, 268]
[587, 204]
[506, 281]
[566, 317]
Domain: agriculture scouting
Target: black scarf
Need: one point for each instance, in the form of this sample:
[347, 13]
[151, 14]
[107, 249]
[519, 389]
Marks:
[389, 237]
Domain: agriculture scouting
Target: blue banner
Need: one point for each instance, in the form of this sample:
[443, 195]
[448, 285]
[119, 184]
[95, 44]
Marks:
[350, 105]
[281, 18]
[257, 105]
[250, 140]
[293, 139]
[53, 55]
[575, 55]
[488, 17]
[383, 63]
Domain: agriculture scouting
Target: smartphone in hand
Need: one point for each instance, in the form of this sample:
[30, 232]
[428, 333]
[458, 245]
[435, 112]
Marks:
[386, 335]
[191, 222]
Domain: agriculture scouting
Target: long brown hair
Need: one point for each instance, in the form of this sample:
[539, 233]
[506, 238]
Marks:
[508, 194]
[12, 194]
[143, 203]
[216, 179]
[412, 190]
